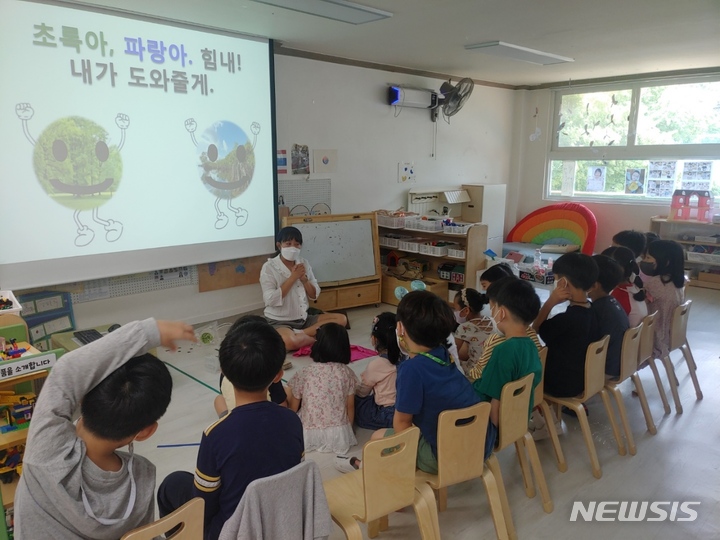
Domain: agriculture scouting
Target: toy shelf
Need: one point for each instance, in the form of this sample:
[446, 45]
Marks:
[8, 492]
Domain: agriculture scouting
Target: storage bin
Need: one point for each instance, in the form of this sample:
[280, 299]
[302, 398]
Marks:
[16, 307]
[394, 222]
[458, 229]
[434, 250]
[457, 252]
[426, 224]
[411, 245]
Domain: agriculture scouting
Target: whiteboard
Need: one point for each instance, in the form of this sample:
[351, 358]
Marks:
[339, 250]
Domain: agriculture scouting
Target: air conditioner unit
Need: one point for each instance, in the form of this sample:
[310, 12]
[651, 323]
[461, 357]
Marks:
[419, 98]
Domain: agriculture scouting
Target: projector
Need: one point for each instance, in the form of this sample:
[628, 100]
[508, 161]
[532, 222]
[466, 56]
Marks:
[419, 98]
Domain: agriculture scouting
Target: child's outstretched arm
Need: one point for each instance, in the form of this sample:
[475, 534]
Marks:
[52, 434]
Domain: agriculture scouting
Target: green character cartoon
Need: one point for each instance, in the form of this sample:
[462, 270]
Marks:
[77, 168]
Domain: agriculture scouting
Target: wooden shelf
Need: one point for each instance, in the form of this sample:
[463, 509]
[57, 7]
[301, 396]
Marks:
[8, 492]
[424, 233]
[13, 438]
[679, 222]
[12, 381]
[704, 284]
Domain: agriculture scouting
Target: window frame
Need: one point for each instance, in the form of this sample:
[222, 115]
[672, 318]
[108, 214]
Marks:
[631, 151]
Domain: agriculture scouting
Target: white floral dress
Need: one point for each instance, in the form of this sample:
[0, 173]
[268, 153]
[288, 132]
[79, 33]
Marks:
[475, 332]
[324, 389]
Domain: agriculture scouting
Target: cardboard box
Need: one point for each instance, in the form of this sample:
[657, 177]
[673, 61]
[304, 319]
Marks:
[547, 278]
[390, 283]
[709, 276]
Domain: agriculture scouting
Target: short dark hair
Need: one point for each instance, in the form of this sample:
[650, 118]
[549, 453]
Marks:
[251, 355]
[669, 261]
[497, 271]
[332, 344]
[610, 273]
[427, 318]
[633, 240]
[579, 269]
[518, 297]
[131, 398]
[289, 233]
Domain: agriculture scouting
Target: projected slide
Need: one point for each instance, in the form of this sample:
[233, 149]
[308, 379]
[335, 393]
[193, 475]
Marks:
[119, 135]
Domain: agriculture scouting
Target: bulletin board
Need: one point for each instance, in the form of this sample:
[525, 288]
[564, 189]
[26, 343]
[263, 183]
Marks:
[232, 273]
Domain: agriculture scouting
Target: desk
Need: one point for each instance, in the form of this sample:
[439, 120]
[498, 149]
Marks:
[68, 341]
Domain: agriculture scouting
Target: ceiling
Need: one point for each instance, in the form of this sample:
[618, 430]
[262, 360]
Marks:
[607, 38]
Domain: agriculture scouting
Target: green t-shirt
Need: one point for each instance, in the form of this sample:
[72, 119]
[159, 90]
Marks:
[510, 361]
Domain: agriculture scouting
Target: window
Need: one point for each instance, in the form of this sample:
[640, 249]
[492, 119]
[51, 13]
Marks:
[637, 142]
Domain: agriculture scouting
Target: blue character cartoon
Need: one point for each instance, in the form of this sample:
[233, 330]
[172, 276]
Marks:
[77, 168]
[226, 164]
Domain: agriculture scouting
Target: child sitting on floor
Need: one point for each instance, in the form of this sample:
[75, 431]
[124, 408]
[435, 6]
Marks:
[324, 393]
[256, 439]
[630, 292]
[375, 397]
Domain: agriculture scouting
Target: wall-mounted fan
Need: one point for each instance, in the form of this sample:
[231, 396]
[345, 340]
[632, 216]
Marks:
[453, 97]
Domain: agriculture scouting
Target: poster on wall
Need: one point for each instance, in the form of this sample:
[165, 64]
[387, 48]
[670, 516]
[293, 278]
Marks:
[635, 181]
[696, 175]
[324, 161]
[282, 162]
[596, 178]
[300, 157]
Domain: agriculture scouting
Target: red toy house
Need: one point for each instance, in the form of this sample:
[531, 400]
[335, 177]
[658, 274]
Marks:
[691, 205]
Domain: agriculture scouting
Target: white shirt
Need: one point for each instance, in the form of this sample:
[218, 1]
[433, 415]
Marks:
[295, 304]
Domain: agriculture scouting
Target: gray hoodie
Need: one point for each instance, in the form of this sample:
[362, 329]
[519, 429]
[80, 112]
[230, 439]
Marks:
[48, 501]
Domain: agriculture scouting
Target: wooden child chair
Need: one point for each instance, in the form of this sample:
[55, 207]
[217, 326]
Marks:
[384, 484]
[460, 447]
[678, 341]
[594, 384]
[548, 415]
[189, 516]
[646, 358]
[628, 368]
[513, 429]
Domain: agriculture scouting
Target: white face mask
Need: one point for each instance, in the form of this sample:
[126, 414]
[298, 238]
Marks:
[557, 283]
[290, 253]
[486, 311]
[495, 329]
[459, 318]
[400, 341]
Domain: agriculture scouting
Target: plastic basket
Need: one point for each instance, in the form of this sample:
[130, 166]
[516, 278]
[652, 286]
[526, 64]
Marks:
[457, 229]
[456, 253]
[427, 225]
[394, 222]
[411, 245]
[16, 307]
[435, 251]
[692, 256]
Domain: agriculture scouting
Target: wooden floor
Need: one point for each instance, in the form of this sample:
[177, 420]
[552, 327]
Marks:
[680, 463]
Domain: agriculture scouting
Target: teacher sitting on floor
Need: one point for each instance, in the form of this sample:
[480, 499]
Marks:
[288, 284]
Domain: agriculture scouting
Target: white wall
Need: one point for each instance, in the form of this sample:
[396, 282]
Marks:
[330, 106]
[525, 189]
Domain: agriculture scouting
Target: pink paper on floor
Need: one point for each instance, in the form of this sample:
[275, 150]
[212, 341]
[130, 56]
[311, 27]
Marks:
[356, 352]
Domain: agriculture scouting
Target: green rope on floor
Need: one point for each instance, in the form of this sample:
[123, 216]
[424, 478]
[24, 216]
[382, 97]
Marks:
[193, 378]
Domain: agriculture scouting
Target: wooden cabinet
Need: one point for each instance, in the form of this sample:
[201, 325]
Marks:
[702, 254]
[22, 375]
[472, 244]
[347, 296]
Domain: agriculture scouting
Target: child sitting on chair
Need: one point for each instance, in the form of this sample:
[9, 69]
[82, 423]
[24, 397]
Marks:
[75, 483]
[427, 383]
[630, 292]
[514, 304]
[567, 335]
[375, 397]
[609, 317]
[324, 393]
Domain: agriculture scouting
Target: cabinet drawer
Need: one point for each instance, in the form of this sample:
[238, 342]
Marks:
[327, 300]
[358, 295]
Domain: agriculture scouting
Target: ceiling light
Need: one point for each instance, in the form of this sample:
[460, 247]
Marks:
[516, 52]
[337, 10]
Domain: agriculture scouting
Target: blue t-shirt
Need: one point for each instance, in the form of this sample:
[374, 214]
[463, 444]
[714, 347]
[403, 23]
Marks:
[425, 389]
[253, 441]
